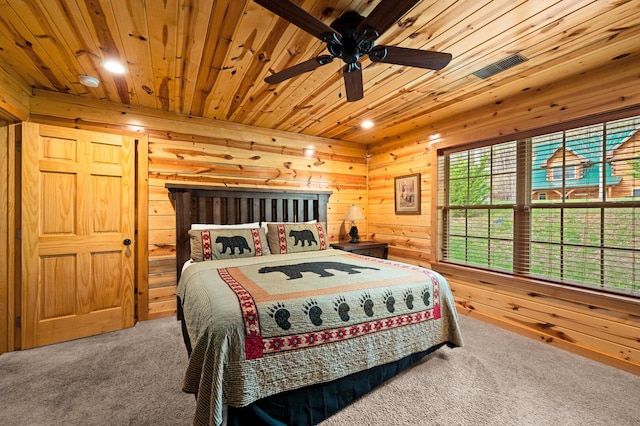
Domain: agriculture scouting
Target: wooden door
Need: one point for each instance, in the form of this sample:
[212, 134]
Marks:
[77, 212]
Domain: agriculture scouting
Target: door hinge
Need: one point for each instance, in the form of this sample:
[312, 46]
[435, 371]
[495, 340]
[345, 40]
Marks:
[18, 234]
[18, 321]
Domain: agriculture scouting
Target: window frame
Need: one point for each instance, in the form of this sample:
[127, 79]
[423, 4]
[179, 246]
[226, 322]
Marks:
[563, 173]
[439, 222]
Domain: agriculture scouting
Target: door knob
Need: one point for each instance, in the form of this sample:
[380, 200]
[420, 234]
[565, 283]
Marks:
[127, 243]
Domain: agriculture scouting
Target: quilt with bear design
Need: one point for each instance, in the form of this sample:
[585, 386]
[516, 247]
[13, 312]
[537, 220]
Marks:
[260, 326]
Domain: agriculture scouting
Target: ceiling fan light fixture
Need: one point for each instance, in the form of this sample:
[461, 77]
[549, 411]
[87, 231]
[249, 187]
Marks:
[88, 80]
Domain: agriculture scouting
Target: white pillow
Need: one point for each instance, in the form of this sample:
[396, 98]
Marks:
[187, 264]
[201, 226]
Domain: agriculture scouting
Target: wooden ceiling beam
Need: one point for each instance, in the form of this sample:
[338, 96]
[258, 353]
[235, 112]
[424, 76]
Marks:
[14, 96]
[143, 120]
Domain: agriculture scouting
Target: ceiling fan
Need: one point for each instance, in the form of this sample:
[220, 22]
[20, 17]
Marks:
[350, 37]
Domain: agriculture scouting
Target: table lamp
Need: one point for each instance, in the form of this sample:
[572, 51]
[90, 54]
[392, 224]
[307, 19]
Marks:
[352, 214]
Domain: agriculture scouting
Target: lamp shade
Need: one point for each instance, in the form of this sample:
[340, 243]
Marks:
[353, 213]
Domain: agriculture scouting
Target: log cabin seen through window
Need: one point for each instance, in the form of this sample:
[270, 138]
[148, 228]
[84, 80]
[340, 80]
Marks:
[562, 207]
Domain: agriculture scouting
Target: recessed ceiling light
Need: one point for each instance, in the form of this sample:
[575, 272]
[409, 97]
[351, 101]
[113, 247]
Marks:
[309, 151]
[113, 66]
[367, 124]
[89, 81]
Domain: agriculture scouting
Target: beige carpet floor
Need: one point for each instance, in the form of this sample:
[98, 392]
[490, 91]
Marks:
[133, 377]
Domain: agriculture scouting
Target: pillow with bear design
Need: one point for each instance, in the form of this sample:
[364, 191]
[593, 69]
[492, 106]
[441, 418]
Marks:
[265, 225]
[214, 244]
[295, 238]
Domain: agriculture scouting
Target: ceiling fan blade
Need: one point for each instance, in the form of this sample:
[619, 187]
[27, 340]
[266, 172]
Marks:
[426, 59]
[299, 17]
[386, 13]
[298, 69]
[353, 82]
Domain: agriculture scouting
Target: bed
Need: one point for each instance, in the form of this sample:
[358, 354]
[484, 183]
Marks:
[282, 329]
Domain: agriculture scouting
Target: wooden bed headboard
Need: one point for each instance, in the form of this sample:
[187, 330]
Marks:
[229, 206]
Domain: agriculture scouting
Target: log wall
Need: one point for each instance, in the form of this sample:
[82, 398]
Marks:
[187, 149]
[184, 149]
[408, 236]
[274, 163]
[601, 327]
[623, 169]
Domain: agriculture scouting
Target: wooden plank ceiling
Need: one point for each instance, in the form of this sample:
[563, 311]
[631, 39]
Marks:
[209, 57]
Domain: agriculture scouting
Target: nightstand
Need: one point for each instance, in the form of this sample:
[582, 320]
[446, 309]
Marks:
[366, 248]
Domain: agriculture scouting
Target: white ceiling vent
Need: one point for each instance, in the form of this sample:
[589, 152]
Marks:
[501, 65]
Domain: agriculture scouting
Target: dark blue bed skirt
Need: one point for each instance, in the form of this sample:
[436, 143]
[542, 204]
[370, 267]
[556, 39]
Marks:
[313, 404]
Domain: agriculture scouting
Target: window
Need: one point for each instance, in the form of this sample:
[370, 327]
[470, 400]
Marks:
[569, 173]
[497, 209]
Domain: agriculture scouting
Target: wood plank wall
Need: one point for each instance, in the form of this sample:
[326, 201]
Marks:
[611, 338]
[188, 149]
[603, 328]
[408, 236]
[241, 161]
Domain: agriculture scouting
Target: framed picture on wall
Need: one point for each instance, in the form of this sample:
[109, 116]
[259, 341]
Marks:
[407, 194]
